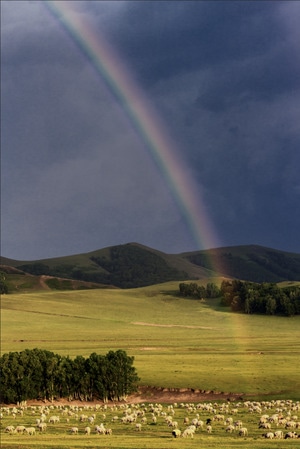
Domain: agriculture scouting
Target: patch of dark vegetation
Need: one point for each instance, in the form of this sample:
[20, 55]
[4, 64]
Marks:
[40, 374]
[265, 298]
[132, 266]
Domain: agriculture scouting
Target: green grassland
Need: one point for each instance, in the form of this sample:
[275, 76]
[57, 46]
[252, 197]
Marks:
[176, 342]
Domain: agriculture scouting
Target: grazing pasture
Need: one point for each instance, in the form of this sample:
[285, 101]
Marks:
[176, 342]
[151, 425]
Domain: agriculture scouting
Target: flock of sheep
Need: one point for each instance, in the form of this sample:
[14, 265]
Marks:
[269, 419]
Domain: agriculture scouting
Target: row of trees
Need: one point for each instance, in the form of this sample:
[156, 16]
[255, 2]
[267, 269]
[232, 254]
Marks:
[41, 374]
[248, 297]
[265, 298]
[193, 290]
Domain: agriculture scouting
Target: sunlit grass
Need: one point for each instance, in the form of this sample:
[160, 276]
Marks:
[176, 342]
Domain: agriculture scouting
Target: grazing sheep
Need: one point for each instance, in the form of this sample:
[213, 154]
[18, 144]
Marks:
[87, 430]
[188, 432]
[10, 429]
[278, 434]
[20, 429]
[238, 424]
[290, 425]
[265, 425]
[138, 427]
[100, 429]
[42, 426]
[229, 420]
[209, 429]
[30, 430]
[230, 428]
[219, 418]
[74, 430]
[243, 432]
[176, 433]
[269, 435]
[108, 431]
[53, 419]
[291, 435]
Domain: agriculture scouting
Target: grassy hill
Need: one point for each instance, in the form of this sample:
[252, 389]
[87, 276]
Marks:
[251, 262]
[133, 265]
[18, 281]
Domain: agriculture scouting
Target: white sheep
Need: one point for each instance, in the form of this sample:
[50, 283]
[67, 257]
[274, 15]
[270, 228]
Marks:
[278, 434]
[176, 433]
[87, 430]
[100, 429]
[30, 430]
[53, 419]
[188, 432]
[42, 426]
[265, 425]
[243, 432]
[269, 435]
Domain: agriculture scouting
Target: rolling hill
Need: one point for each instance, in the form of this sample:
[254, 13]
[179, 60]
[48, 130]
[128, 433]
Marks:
[133, 265]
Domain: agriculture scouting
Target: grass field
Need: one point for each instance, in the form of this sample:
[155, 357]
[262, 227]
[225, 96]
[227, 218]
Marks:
[176, 342]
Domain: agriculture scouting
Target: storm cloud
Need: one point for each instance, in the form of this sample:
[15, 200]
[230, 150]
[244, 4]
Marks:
[224, 78]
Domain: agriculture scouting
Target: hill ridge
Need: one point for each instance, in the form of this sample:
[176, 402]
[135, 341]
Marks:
[132, 265]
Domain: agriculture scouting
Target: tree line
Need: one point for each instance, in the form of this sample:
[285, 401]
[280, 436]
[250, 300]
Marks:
[265, 298]
[193, 290]
[248, 297]
[42, 374]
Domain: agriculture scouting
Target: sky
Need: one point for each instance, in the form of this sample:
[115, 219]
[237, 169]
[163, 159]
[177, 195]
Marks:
[219, 82]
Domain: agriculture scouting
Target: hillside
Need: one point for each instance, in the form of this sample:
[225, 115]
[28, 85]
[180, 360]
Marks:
[18, 281]
[251, 262]
[133, 265]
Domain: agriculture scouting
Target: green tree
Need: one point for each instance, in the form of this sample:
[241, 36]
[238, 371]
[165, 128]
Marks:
[270, 305]
[3, 284]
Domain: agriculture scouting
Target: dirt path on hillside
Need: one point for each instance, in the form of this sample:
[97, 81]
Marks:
[42, 282]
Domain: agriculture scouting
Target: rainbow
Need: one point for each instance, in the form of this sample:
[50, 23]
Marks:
[143, 118]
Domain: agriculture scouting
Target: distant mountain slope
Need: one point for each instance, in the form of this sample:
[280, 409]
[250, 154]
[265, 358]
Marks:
[251, 262]
[134, 265]
[19, 281]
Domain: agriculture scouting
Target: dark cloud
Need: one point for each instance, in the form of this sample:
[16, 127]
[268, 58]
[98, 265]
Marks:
[223, 78]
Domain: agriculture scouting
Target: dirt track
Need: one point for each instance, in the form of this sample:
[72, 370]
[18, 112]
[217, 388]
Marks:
[156, 395]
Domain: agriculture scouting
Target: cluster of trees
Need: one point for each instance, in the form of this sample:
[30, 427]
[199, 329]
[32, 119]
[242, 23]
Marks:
[41, 374]
[132, 266]
[265, 298]
[193, 290]
[3, 284]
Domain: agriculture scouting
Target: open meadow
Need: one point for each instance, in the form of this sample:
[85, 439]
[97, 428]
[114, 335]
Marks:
[176, 343]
